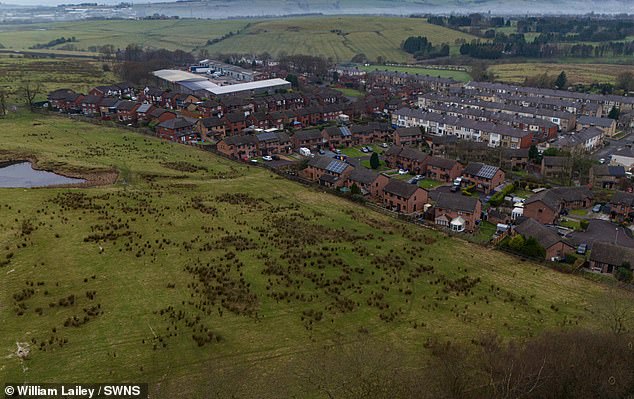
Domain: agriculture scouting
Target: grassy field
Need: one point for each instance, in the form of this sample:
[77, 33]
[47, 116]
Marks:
[340, 38]
[53, 73]
[191, 261]
[169, 34]
[337, 37]
[576, 73]
[443, 73]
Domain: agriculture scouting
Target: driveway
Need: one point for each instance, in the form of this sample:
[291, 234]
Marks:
[601, 230]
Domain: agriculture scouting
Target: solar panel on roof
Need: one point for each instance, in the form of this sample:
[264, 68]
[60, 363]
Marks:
[487, 171]
[336, 166]
[345, 132]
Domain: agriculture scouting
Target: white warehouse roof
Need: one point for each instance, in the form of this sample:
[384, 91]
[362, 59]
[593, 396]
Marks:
[174, 75]
[258, 84]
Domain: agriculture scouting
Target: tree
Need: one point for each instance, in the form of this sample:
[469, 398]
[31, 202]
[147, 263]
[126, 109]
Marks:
[561, 80]
[614, 113]
[615, 312]
[625, 81]
[359, 58]
[374, 161]
[354, 189]
[293, 79]
[533, 153]
[517, 242]
[29, 91]
[624, 273]
[335, 76]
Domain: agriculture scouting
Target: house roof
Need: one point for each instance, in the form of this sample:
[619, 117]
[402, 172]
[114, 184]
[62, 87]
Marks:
[456, 202]
[401, 188]
[90, 99]
[145, 107]
[156, 112]
[126, 105]
[555, 161]
[595, 121]
[616, 255]
[544, 236]
[178, 123]
[555, 196]
[212, 122]
[608, 170]
[621, 197]
[239, 140]
[408, 131]
[60, 94]
[363, 175]
[108, 102]
[441, 162]
[310, 134]
[481, 170]
[329, 164]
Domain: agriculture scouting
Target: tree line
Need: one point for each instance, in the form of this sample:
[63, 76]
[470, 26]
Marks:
[422, 48]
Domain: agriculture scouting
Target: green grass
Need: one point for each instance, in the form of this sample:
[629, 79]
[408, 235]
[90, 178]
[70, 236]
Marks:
[576, 73]
[349, 92]
[183, 207]
[571, 224]
[579, 212]
[484, 233]
[461, 76]
[429, 184]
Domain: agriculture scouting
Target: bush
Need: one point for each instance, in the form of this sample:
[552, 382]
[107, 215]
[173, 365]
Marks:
[623, 273]
[584, 224]
[498, 197]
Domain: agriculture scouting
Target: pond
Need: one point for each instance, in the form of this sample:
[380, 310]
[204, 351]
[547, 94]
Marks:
[22, 175]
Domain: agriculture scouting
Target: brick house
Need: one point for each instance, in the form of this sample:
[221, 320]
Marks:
[370, 182]
[556, 167]
[235, 122]
[58, 99]
[90, 105]
[622, 205]
[337, 136]
[328, 172]
[608, 125]
[607, 258]
[310, 138]
[108, 107]
[406, 158]
[554, 245]
[442, 169]
[239, 146]
[607, 177]
[212, 128]
[143, 112]
[126, 111]
[270, 143]
[547, 205]
[371, 133]
[161, 115]
[457, 212]
[404, 197]
[515, 159]
[408, 136]
[485, 177]
[177, 129]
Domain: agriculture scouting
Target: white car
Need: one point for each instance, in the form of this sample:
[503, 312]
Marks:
[403, 171]
[267, 158]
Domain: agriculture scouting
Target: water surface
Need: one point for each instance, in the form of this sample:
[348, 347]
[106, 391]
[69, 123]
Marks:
[22, 175]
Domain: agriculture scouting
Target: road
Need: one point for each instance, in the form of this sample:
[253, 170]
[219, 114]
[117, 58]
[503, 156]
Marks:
[614, 146]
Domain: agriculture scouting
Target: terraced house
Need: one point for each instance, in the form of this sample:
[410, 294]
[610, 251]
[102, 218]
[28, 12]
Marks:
[328, 172]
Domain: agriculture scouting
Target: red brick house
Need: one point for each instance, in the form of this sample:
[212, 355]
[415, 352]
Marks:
[337, 136]
[371, 133]
[143, 112]
[485, 177]
[406, 158]
[547, 205]
[270, 143]
[108, 107]
[177, 129]
[370, 182]
[441, 169]
[606, 257]
[57, 99]
[622, 205]
[457, 212]
[239, 146]
[328, 172]
[235, 122]
[126, 111]
[162, 115]
[90, 105]
[554, 245]
[408, 136]
[311, 138]
[404, 197]
[212, 128]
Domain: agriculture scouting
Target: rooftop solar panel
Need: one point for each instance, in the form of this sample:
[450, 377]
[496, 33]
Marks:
[487, 171]
[336, 166]
[345, 132]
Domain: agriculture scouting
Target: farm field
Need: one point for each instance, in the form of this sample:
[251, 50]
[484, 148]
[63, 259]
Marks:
[76, 74]
[191, 263]
[339, 38]
[461, 76]
[576, 73]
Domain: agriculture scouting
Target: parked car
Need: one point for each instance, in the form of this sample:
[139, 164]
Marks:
[582, 249]
[337, 151]
[596, 208]
[602, 160]
[403, 171]
[267, 158]
[321, 152]
[384, 145]
[419, 177]
[254, 161]
[364, 150]
[369, 149]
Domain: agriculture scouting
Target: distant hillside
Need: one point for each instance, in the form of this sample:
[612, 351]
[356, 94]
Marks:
[244, 8]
